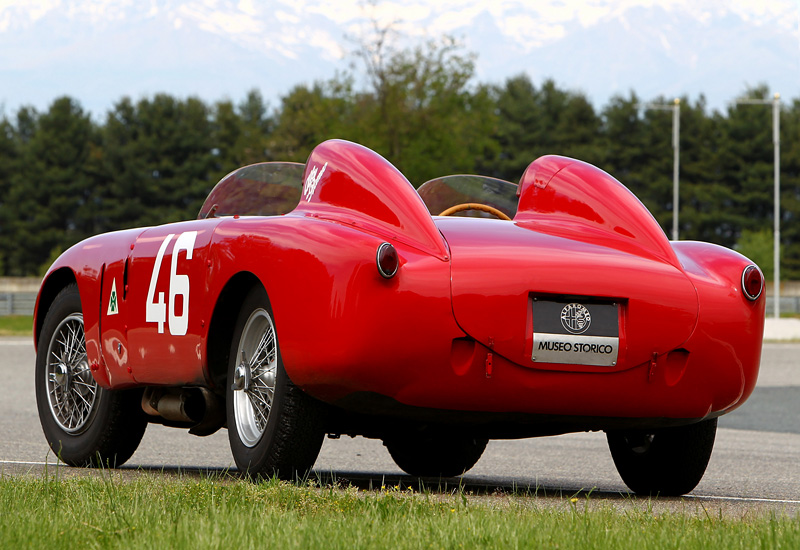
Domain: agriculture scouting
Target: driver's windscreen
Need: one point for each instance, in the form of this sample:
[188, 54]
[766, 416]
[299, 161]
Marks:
[265, 189]
[441, 193]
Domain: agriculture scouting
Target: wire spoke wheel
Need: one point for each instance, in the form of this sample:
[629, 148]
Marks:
[254, 378]
[71, 389]
[274, 428]
[85, 424]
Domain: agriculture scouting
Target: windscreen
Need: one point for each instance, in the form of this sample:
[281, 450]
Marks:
[265, 189]
[441, 193]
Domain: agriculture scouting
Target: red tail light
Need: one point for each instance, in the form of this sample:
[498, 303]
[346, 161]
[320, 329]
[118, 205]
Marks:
[752, 282]
[387, 260]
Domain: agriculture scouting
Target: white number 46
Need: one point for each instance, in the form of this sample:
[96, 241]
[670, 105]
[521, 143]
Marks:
[156, 310]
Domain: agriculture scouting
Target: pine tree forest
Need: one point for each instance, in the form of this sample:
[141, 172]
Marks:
[66, 174]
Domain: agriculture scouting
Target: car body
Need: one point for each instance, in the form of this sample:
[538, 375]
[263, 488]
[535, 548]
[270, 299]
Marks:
[433, 333]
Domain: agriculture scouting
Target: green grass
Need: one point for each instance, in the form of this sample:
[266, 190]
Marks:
[16, 325]
[193, 513]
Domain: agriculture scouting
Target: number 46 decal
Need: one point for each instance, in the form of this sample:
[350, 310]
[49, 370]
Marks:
[156, 310]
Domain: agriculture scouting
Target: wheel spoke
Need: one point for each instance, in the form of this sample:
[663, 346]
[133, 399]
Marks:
[259, 406]
[76, 396]
[87, 386]
[259, 348]
[260, 381]
[259, 401]
[265, 347]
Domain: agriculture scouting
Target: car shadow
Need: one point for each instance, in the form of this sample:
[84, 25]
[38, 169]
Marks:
[464, 485]
[461, 485]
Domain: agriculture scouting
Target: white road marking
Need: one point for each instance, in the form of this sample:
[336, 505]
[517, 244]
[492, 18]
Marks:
[743, 499]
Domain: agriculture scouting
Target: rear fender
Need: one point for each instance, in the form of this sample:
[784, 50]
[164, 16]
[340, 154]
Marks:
[725, 348]
[342, 327]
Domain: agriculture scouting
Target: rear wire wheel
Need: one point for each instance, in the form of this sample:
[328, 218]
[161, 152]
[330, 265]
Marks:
[666, 462]
[274, 427]
[84, 424]
[439, 455]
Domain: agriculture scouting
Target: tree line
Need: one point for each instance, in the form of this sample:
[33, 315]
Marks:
[65, 176]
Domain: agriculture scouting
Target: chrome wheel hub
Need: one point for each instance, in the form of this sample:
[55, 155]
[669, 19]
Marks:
[241, 378]
[61, 375]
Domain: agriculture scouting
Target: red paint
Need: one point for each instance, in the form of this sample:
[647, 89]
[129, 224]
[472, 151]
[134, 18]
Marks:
[453, 328]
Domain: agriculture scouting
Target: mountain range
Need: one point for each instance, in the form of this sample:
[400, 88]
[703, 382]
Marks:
[98, 51]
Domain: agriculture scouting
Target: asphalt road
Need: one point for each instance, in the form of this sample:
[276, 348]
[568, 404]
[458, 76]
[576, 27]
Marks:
[755, 464]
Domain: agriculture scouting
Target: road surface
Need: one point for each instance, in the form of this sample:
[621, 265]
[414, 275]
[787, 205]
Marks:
[755, 464]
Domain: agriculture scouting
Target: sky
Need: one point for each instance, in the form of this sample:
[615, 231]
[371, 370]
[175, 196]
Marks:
[101, 50]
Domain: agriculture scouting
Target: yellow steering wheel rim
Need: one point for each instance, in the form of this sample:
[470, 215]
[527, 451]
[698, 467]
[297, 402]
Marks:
[475, 206]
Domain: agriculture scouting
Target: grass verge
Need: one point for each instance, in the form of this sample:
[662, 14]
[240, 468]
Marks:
[193, 513]
[16, 325]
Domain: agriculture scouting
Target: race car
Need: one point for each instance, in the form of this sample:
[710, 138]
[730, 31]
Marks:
[335, 298]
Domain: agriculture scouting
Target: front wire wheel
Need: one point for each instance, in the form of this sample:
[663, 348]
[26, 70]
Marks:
[85, 425]
[71, 388]
[274, 427]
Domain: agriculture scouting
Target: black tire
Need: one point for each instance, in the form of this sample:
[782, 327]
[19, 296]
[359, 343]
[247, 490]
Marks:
[667, 462]
[432, 456]
[287, 444]
[84, 424]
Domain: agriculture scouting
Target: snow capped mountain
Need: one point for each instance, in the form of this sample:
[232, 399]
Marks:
[655, 52]
[101, 50]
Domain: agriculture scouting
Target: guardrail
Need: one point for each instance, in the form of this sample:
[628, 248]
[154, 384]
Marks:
[789, 304]
[22, 303]
[17, 303]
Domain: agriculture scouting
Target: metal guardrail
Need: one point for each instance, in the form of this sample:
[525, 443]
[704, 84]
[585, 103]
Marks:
[22, 303]
[17, 303]
[789, 304]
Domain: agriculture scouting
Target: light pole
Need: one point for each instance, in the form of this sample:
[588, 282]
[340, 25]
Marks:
[676, 158]
[776, 141]
[676, 163]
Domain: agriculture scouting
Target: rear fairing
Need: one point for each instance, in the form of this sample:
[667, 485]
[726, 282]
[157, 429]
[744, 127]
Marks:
[512, 285]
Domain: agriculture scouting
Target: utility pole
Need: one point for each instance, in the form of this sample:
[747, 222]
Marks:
[676, 157]
[776, 141]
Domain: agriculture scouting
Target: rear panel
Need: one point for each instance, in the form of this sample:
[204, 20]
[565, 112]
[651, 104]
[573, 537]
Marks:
[547, 302]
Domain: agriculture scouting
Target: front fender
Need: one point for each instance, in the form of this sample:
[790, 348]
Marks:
[84, 264]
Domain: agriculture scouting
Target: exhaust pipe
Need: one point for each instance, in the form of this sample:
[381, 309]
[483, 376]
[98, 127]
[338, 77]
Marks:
[196, 408]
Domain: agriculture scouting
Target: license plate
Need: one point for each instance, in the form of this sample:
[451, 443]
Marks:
[575, 332]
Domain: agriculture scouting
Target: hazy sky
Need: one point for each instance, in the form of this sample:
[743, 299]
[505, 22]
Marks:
[99, 50]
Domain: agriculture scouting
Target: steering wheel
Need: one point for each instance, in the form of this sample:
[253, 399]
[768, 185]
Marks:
[475, 206]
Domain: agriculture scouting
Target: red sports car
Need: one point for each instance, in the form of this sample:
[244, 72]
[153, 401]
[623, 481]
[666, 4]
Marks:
[334, 298]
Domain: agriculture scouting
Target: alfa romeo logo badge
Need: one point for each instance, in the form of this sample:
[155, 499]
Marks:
[575, 318]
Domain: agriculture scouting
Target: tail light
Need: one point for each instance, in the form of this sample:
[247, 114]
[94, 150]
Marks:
[752, 282]
[387, 260]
